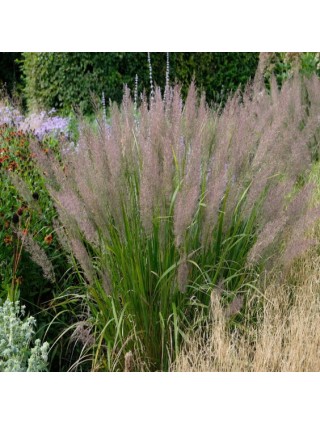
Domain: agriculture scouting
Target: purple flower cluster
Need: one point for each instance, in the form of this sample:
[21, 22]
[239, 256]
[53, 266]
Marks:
[41, 124]
[53, 126]
[44, 124]
[10, 116]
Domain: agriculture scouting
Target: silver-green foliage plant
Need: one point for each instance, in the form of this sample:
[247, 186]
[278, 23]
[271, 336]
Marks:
[16, 335]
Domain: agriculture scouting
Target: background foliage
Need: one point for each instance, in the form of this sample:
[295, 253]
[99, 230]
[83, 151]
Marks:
[284, 64]
[10, 73]
[63, 80]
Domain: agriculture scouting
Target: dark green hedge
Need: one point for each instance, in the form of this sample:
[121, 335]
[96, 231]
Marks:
[63, 80]
[9, 71]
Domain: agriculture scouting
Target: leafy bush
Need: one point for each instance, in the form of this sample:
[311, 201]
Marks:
[16, 335]
[64, 80]
[26, 211]
[284, 65]
[32, 262]
[172, 200]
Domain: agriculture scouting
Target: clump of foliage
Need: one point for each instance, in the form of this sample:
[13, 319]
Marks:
[284, 64]
[16, 336]
[32, 261]
[26, 211]
[173, 199]
[64, 80]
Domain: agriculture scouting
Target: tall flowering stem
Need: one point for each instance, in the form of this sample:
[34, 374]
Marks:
[136, 92]
[166, 89]
[150, 77]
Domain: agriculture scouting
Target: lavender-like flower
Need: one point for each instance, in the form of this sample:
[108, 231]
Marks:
[44, 124]
[166, 89]
[136, 92]
[103, 101]
[53, 126]
[10, 116]
[150, 76]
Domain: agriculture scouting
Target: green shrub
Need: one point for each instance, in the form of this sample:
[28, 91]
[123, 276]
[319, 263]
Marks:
[64, 80]
[284, 64]
[32, 262]
[26, 216]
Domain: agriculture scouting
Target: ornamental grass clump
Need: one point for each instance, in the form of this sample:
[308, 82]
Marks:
[174, 199]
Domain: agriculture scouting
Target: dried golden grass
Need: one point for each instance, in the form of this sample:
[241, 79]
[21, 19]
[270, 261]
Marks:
[281, 335]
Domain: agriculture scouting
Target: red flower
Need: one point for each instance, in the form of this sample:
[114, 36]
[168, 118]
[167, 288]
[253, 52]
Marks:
[48, 239]
[8, 240]
[3, 158]
[12, 166]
